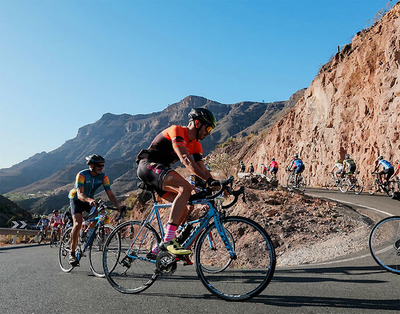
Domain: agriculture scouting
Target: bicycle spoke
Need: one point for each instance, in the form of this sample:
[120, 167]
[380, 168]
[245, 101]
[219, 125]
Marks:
[96, 250]
[125, 260]
[247, 273]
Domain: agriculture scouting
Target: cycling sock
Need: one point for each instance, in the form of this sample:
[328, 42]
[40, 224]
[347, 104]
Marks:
[170, 231]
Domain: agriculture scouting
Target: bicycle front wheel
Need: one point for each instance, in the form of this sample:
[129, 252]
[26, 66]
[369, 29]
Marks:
[358, 187]
[64, 250]
[127, 264]
[384, 244]
[248, 271]
[96, 250]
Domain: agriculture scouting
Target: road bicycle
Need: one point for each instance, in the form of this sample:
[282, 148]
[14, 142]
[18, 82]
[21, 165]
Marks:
[54, 237]
[234, 256]
[351, 183]
[90, 239]
[291, 181]
[377, 186]
[41, 237]
[331, 181]
[384, 244]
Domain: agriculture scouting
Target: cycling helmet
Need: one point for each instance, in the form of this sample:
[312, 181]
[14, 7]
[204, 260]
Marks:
[347, 156]
[94, 159]
[337, 160]
[208, 167]
[380, 157]
[203, 115]
[296, 155]
[56, 210]
[273, 159]
[43, 216]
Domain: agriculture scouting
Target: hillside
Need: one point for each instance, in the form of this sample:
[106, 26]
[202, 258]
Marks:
[352, 106]
[10, 211]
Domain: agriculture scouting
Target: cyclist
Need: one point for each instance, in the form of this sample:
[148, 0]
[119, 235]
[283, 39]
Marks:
[82, 197]
[251, 168]
[349, 167]
[339, 169]
[173, 144]
[67, 219]
[388, 169]
[242, 166]
[273, 168]
[44, 222]
[55, 223]
[296, 165]
[263, 169]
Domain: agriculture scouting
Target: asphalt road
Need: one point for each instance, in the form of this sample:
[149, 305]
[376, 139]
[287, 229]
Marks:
[32, 282]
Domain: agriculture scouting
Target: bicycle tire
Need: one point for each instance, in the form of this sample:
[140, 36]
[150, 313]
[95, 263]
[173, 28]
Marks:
[290, 181]
[372, 187]
[344, 185]
[358, 187]
[135, 272]
[249, 273]
[330, 183]
[301, 186]
[96, 249]
[384, 244]
[64, 250]
[40, 237]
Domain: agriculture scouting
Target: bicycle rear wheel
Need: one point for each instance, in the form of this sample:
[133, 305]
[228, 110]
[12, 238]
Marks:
[64, 250]
[372, 187]
[96, 250]
[126, 265]
[384, 244]
[247, 274]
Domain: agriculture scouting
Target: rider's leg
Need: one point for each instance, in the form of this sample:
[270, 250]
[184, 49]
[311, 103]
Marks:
[77, 219]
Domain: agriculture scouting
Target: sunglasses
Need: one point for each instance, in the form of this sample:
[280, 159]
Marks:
[99, 166]
[209, 128]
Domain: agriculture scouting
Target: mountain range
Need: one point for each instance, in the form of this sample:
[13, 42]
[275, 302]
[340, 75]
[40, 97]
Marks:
[47, 177]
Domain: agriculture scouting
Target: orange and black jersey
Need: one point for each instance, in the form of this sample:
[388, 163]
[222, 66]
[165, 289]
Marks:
[161, 150]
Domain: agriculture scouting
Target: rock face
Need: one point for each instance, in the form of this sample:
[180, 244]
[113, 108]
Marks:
[352, 106]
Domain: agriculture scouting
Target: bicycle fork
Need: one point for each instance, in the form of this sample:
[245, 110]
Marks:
[222, 232]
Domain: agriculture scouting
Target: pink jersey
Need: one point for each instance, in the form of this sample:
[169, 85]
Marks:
[273, 164]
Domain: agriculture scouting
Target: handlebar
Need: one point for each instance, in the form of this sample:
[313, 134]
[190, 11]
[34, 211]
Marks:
[102, 206]
[226, 185]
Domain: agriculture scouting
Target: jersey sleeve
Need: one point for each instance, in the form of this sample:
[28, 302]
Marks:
[80, 180]
[176, 135]
[106, 183]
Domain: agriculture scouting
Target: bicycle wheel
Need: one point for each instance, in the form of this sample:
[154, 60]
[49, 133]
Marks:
[390, 189]
[40, 237]
[330, 183]
[126, 265]
[64, 250]
[301, 186]
[53, 240]
[213, 246]
[372, 187]
[249, 272]
[344, 185]
[290, 181]
[384, 244]
[96, 250]
[358, 187]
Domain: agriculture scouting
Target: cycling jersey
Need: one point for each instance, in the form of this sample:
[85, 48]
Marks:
[56, 220]
[90, 183]
[350, 162]
[296, 162]
[385, 164]
[338, 166]
[161, 150]
[273, 164]
[43, 222]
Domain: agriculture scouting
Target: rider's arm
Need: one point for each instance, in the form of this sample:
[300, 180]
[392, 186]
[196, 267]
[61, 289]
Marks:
[194, 167]
[112, 198]
[82, 197]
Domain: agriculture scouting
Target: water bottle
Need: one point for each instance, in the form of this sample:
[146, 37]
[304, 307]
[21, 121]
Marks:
[184, 233]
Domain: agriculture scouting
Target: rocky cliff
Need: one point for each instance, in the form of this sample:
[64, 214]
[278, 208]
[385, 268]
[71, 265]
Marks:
[352, 106]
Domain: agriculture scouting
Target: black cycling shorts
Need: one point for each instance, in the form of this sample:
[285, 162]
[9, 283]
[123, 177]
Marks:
[388, 172]
[78, 207]
[153, 173]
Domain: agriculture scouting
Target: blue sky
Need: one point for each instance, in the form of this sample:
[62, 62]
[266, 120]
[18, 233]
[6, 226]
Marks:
[63, 64]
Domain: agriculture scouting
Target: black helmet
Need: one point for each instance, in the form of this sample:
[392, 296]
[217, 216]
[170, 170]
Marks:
[203, 115]
[347, 156]
[380, 157]
[94, 159]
